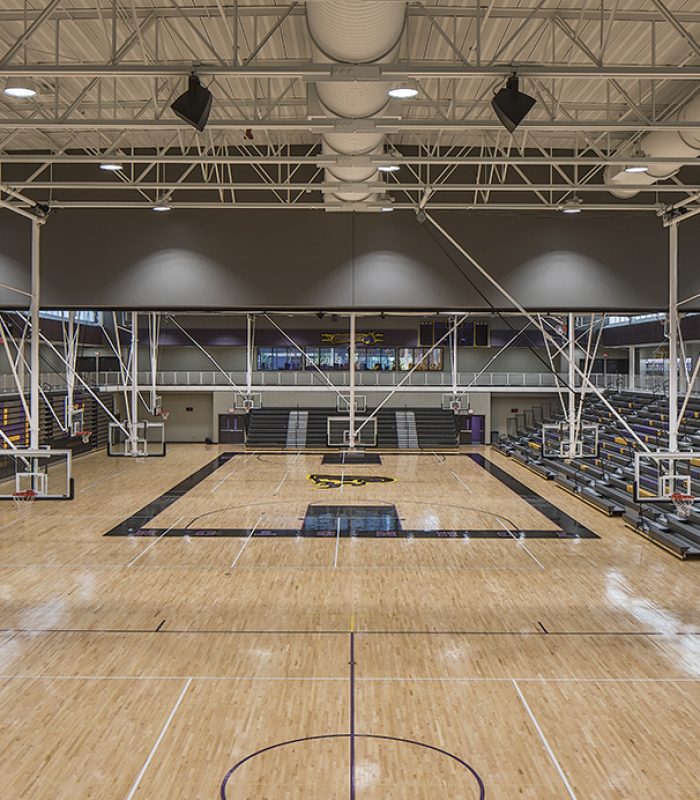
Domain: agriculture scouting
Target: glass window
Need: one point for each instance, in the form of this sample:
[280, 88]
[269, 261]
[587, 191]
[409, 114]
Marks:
[434, 360]
[406, 359]
[84, 317]
[264, 358]
[341, 358]
[389, 358]
[312, 359]
[325, 357]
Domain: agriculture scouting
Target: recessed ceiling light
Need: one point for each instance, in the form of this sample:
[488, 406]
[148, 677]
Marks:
[387, 208]
[634, 168]
[388, 167]
[20, 88]
[403, 92]
[162, 207]
[111, 167]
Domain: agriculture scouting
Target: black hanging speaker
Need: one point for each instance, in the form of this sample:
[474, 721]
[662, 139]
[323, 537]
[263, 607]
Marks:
[511, 105]
[194, 105]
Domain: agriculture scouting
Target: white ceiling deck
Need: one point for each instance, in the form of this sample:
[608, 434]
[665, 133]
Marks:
[604, 72]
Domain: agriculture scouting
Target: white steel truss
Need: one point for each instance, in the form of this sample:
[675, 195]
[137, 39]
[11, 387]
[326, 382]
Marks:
[261, 147]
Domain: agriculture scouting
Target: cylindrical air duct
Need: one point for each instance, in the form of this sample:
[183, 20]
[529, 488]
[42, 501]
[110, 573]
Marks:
[659, 144]
[354, 32]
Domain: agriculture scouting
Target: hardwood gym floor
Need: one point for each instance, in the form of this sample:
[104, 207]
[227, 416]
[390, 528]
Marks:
[528, 659]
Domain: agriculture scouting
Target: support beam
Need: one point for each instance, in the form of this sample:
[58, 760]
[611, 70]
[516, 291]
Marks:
[134, 396]
[34, 363]
[351, 367]
[249, 353]
[571, 388]
[673, 338]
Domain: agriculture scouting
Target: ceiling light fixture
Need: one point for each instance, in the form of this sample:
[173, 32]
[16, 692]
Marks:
[511, 105]
[20, 88]
[388, 167]
[572, 206]
[111, 166]
[403, 92]
[194, 105]
[636, 168]
[161, 207]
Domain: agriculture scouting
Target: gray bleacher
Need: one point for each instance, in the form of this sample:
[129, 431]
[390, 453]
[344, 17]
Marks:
[606, 481]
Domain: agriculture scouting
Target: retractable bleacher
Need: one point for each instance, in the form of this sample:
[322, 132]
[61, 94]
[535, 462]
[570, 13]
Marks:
[606, 481]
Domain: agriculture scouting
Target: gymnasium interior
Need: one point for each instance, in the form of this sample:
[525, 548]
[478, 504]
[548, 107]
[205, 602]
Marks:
[349, 399]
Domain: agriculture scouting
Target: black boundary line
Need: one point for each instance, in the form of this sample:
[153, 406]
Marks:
[160, 625]
[532, 498]
[542, 626]
[135, 525]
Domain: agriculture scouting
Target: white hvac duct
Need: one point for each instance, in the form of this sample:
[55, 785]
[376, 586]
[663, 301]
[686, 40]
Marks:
[659, 144]
[354, 32]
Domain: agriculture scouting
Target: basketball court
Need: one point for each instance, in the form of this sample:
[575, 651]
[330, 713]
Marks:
[226, 650]
[349, 400]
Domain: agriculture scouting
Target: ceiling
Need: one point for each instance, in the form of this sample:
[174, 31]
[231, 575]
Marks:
[604, 74]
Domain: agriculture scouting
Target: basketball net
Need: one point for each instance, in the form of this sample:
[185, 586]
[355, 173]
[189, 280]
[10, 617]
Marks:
[23, 500]
[683, 504]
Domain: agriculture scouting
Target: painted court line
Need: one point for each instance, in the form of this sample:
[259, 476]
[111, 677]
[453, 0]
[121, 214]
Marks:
[337, 541]
[158, 741]
[456, 476]
[520, 543]
[247, 539]
[232, 471]
[153, 544]
[544, 741]
[284, 477]
[101, 480]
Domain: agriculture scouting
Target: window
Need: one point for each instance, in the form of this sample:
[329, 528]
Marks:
[83, 317]
[371, 359]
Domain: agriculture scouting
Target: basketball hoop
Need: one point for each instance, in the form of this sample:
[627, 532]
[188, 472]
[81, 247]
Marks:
[84, 435]
[23, 500]
[683, 504]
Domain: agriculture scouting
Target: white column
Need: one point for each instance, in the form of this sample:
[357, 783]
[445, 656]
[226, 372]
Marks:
[70, 371]
[351, 438]
[249, 354]
[673, 338]
[453, 340]
[571, 356]
[133, 434]
[632, 367]
[34, 364]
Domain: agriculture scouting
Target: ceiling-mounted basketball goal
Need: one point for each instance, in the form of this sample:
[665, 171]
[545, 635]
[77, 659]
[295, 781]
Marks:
[557, 441]
[339, 431]
[45, 472]
[658, 476]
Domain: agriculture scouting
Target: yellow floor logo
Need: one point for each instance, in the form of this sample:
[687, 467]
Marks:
[336, 481]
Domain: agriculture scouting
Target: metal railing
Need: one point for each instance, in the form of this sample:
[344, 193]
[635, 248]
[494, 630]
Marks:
[308, 379]
[52, 381]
